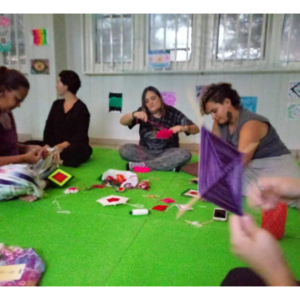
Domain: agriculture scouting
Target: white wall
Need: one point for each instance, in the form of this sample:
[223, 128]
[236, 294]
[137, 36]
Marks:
[271, 90]
[31, 117]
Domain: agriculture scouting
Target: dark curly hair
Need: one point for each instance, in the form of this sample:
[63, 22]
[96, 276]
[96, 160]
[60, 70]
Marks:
[11, 79]
[217, 93]
[71, 79]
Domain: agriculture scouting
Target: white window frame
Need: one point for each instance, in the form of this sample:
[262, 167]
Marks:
[176, 65]
[21, 67]
[89, 64]
[203, 57]
[140, 49]
[288, 64]
[216, 64]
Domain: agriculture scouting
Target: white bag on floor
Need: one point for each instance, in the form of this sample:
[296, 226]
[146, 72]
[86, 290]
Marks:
[129, 176]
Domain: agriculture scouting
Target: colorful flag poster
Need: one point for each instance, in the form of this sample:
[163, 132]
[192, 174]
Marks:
[159, 59]
[5, 31]
[249, 103]
[40, 37]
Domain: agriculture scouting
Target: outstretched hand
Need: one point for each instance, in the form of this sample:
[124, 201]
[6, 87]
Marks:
[259, 250]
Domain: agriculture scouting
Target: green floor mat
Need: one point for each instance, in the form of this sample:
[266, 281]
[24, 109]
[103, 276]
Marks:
[106, 246]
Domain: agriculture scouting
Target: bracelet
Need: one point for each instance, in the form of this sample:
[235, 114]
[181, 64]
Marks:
[133, 117]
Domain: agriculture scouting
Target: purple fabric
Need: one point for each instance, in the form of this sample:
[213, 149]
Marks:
[16, 255]
[8, 139]
[169, 98]
[220, 173]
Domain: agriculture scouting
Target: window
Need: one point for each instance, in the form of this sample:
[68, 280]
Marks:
[113, 38]
[241, 37]
[16, 58]
[171, 32]
[290, 39]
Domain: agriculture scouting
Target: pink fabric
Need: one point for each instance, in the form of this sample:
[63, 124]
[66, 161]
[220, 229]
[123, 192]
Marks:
[141, 169]
[168, 200]
[164, 134]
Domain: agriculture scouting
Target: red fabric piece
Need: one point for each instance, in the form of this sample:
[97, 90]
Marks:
[160, 207]
[164, 134]
[113, 199]
[274, 220]
[144, 185]
[194, 193]
[59, 177]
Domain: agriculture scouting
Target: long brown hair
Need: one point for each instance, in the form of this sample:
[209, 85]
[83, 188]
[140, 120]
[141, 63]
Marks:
[218, 93]
[156, 91]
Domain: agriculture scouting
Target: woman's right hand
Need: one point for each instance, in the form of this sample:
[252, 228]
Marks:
[32, 157]
[259, 250]
[267, 192]
[140, 115]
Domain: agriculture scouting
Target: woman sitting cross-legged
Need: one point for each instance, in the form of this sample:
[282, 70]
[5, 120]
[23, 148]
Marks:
[157, 154]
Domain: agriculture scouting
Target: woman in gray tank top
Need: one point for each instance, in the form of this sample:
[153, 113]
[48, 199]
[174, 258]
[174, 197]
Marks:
[242, 128]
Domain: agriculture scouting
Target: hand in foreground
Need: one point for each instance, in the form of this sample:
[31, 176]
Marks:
[260, 251]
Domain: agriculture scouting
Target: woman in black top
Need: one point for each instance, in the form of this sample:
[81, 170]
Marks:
[68, 122]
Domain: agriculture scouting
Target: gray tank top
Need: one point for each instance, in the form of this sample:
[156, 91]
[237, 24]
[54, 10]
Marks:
[269, 146]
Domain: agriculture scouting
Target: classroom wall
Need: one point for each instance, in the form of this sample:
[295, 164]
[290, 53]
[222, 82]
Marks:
[271, 90]
[30, 118]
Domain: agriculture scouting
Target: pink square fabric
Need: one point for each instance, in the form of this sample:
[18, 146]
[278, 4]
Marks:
[168, 200]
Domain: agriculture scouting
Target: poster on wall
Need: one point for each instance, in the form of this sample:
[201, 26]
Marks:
[200, 89]
[5, 38]
[294, 89]
[115, 102]
[293, 111]
[249, 103]
[40, 37]
[169, 98]
[39, 66]
[159, 59]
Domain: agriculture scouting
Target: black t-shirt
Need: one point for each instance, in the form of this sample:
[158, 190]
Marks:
[148, 131]
[69, 127]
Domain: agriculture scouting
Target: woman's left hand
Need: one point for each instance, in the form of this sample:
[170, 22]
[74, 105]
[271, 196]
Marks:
[177, 129]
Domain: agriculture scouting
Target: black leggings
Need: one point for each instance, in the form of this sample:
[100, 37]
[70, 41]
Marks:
[243, 277]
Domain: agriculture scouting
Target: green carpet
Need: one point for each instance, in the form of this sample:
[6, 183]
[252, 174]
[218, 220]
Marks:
[106, 246]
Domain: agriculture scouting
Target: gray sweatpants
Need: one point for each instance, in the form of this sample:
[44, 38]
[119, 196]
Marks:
[160, 160]
[280, 166]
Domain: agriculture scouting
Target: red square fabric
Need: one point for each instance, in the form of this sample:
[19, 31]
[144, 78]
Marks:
[274, 220]
[60, 177]
[160, 207]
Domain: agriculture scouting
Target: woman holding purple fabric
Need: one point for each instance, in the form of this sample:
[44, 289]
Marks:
[14, 88]
[242, 128]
